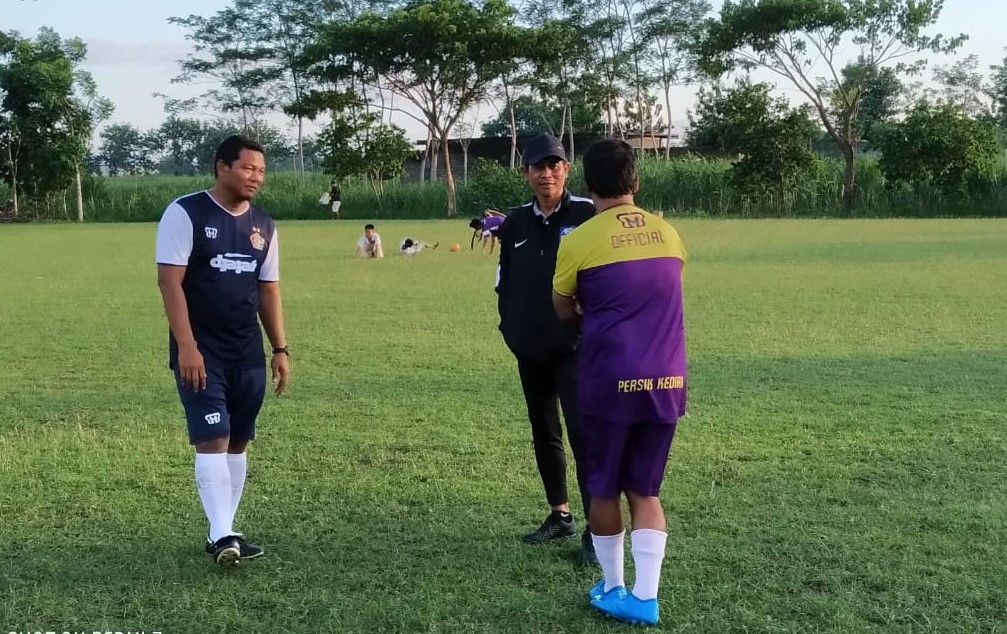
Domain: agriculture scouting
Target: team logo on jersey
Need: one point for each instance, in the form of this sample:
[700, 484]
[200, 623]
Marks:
[632, 219]
[565, 230]
[258, 242]
[211, 232]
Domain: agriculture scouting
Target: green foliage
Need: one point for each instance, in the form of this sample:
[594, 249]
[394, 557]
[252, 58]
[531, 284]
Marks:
[356, 143]
[877, 103]
[772, 139]
[48, 110]
[125, 150]
[998, 95]
[440, 55]
[941, 146]
[682, 187]
[790, 38]
[963, 85]
[530, 117]
[227, 58]
[495, 185]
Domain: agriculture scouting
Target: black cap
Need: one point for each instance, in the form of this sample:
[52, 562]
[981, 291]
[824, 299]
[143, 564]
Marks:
[541, 147]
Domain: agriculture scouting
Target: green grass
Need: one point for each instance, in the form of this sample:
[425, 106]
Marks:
[841, 468]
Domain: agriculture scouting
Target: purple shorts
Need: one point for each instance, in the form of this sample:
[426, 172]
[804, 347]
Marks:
[629, 458]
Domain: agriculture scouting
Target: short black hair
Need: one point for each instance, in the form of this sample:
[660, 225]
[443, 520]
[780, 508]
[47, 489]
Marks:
[231, 147]
[610, 169]
[366, 227]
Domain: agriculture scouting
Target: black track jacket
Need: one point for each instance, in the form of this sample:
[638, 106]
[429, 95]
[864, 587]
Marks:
[528, 246]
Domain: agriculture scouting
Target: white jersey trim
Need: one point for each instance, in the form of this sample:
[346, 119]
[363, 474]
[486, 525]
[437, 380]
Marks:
[270, 271]
[174, 237]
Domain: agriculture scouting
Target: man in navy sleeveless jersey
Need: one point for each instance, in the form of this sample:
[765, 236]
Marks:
[218, 271]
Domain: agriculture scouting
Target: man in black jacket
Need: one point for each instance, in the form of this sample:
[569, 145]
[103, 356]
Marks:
[545, 348]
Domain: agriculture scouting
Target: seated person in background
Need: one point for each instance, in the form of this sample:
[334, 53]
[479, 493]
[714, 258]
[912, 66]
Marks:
[369, 244]
[412, 246]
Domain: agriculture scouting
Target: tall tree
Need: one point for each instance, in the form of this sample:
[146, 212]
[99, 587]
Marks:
[124, 150]
[791, 39]
[669, 27]
[962, 84]
[439, 55]
[998, 93]
[47, 114]
[880, 89]
[227, 56]
[283, 30]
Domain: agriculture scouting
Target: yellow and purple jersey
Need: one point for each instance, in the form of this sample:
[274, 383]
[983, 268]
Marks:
[625, 266]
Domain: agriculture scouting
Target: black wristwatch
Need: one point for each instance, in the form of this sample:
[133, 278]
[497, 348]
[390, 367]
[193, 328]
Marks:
[282, 350]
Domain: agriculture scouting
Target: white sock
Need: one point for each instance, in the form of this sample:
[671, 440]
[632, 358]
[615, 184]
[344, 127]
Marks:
[608, 548]
[213, 481]
[648, 555]
[237, 464]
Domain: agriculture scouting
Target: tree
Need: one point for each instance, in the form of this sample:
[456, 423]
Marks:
[790, 38]
[526, 117]
[180, 141]
[964, 86]
[125, 150]
[226, 56]
[880, 89]
[283, 30]
[439, 55]
[357, 143]
[998, 93]
[47, 114]
[772, 139]
[564, 71]
[943, 147]
[669, 27]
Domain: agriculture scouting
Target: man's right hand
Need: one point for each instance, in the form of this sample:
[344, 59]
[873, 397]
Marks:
[191, 368]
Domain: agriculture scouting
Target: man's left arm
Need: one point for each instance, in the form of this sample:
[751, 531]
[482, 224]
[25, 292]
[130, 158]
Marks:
[271, 314]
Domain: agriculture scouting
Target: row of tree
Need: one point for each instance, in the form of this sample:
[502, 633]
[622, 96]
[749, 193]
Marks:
[567, 67]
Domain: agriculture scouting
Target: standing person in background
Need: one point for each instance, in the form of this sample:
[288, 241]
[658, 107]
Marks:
[334, 198]
[545, 348]
[621, 272]
[218, 271]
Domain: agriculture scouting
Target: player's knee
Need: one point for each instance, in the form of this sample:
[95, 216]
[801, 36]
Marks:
[215, 445]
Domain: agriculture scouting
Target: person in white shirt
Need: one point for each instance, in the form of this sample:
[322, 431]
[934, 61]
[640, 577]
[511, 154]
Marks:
[369, 244]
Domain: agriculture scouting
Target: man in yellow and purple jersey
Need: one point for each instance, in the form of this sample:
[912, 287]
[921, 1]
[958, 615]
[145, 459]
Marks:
[621, 273]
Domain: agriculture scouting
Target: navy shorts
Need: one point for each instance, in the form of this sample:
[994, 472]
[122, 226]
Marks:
[227, 407]
[629, 458]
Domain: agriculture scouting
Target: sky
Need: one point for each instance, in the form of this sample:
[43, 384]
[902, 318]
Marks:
[133, 51]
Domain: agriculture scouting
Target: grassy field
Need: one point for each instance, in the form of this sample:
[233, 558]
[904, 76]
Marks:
[841, 469]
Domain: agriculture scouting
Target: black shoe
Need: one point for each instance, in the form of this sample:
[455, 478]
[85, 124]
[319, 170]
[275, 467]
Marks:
[557, 526]
[248, 549]
[586, 549]
[226, 551]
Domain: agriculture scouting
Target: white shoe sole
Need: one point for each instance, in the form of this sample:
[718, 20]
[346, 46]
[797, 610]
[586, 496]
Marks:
[228, 557]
